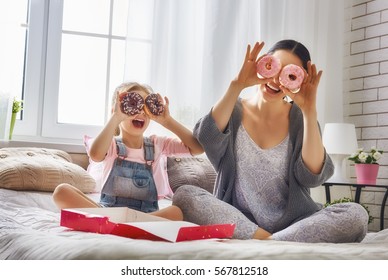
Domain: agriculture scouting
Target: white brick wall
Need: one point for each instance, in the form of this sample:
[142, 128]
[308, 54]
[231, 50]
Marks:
[366, 88]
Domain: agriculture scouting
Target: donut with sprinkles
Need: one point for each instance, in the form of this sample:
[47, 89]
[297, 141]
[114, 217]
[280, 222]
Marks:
[292, 77]
[132, 103]
[154, 105]
[268, 66]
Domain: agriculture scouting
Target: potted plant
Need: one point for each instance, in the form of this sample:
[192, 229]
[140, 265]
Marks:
[366, 165]
[17, 106]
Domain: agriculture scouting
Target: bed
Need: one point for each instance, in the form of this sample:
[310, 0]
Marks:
[30, 230]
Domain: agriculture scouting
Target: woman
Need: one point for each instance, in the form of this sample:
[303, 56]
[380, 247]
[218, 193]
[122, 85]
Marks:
[268, 153]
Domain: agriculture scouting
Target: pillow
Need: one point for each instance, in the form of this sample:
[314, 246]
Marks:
[38, 169]
[190, 171]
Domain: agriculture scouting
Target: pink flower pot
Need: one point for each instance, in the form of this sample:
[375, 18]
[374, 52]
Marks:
[366, 173]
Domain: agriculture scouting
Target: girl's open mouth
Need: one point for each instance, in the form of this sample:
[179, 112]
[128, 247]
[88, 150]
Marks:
[138, 123]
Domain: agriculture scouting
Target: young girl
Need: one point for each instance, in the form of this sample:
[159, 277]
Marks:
[134, 166]
[268, 153]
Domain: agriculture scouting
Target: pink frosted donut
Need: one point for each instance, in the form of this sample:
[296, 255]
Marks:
[132, 103]
[268, 66]
[291, 77]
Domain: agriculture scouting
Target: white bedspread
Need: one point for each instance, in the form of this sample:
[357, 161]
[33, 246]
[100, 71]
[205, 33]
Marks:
[29, 229]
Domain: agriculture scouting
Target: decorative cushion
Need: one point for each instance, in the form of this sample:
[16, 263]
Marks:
[39, 169]
[190, 171]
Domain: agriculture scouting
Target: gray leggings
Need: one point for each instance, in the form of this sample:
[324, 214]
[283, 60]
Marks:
[339, 223]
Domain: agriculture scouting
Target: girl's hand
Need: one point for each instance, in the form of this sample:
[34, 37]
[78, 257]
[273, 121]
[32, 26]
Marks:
[165, 116]
[117, 109]
[184, 134]
[306, 98]
[248, 74]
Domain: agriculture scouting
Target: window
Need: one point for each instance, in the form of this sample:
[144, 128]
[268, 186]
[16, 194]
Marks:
[69, 58]
[71, 54]
[13, 23]
[85, 62]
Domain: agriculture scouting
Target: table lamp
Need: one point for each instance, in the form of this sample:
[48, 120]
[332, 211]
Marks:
[340, 141]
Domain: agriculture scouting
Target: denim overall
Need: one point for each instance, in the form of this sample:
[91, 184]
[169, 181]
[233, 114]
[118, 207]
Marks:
[131, 184]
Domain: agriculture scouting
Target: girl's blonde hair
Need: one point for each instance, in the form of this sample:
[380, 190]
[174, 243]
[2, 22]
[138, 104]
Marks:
[128, 87]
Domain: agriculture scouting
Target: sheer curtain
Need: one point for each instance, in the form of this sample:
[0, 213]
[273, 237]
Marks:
[197, 48]
[319, 25]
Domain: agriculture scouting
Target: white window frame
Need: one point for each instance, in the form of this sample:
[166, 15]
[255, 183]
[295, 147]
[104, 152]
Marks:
[35, 59]
[50, 126]
[41, 85]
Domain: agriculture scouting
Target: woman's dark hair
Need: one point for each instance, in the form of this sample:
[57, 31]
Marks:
[294, 47]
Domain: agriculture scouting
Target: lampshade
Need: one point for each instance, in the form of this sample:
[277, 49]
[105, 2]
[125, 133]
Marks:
[340, 138]
[340, 141]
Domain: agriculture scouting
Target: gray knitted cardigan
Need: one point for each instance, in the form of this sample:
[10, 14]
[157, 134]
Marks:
[219, 148]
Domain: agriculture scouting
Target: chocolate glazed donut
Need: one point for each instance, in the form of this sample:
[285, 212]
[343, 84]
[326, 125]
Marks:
[132, 103]
[154, 105]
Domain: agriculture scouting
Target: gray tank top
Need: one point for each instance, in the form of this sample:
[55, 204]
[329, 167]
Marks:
[261, 185]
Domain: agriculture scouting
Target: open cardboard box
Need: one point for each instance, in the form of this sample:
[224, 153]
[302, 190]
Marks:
[126, 222]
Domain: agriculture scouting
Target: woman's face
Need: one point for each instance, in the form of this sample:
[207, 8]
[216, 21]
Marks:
[271, 90]
[136, 125]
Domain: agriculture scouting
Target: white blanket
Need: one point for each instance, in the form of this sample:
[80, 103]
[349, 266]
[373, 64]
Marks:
[29, 229]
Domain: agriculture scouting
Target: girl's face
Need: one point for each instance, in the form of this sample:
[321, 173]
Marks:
[136, 125]
[271, 90]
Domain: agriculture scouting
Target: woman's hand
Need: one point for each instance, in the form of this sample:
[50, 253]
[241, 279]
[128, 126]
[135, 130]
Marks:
[306, 98]
[313, 152]
[248, 74]
[247, 77]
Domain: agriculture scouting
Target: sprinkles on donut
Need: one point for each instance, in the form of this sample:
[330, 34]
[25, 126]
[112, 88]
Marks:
[154, 105]
[292, 77]
[132, 103]
[268, 66]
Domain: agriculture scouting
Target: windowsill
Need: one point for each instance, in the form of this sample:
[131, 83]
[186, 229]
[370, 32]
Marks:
[69, 148]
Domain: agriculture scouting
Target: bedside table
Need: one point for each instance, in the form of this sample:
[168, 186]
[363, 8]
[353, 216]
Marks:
[359, 187]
